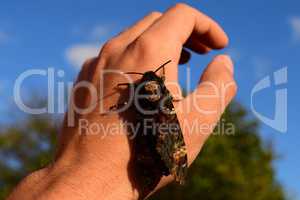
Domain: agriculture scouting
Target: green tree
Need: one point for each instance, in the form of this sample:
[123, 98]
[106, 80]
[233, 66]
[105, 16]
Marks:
[237, 166]
[25, 146]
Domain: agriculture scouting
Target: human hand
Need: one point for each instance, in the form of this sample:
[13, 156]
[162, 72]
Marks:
[94, 164]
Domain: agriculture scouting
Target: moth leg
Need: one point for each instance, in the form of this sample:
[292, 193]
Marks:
[177, 99]
[117, 106]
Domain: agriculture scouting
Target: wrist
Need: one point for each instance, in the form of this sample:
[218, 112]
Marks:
[85, 181]
[95, 178]
[76, 182]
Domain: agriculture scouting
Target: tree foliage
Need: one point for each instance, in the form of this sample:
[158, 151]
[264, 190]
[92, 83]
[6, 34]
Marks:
[25, 146]
[237, 166]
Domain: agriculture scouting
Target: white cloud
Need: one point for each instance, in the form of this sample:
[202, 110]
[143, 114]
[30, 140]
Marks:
[99, 31]
[94, 33]
[77, 54]
[295, 26]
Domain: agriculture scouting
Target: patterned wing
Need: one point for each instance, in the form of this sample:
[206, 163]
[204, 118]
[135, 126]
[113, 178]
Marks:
[170, 142]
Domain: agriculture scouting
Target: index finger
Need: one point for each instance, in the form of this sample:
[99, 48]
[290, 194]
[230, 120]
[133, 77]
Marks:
[181, 21]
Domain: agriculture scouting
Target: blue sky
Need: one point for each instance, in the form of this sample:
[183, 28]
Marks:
[264, 37]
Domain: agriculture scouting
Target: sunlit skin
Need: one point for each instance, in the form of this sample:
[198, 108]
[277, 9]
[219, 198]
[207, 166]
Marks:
[87, 167]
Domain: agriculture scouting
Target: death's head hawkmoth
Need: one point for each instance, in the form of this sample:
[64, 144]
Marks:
[161, 149]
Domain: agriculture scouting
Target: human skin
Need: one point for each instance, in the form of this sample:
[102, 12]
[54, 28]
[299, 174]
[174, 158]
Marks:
[87, 167]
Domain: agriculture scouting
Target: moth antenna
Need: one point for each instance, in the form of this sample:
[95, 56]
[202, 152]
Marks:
[162, 66]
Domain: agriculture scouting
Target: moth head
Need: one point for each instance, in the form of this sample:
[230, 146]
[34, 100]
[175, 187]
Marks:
[153, 91]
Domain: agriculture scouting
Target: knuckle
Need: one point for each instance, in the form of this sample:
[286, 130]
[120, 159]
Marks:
[145, 41]
[88, 69]
[110, 46]
[182, 6]
[226, 75]
[145, 45]
[88, 62]
[155, 14]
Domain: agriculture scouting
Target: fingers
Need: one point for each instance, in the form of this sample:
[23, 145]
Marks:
[88, 69]
[181, 21]
[164, 39]
[200, 111]
[184, 57]
[114, 48]
[205, 105]
[196, 45]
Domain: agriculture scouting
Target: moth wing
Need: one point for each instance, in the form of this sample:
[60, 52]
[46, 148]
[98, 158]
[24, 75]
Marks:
[170, 142]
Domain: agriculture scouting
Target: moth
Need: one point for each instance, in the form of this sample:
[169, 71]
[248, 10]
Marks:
[161, 149]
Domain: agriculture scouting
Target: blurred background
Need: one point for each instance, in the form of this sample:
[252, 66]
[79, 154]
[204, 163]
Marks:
[256, 162]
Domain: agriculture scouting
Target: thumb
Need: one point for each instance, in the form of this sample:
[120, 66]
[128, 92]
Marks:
[201, 110]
